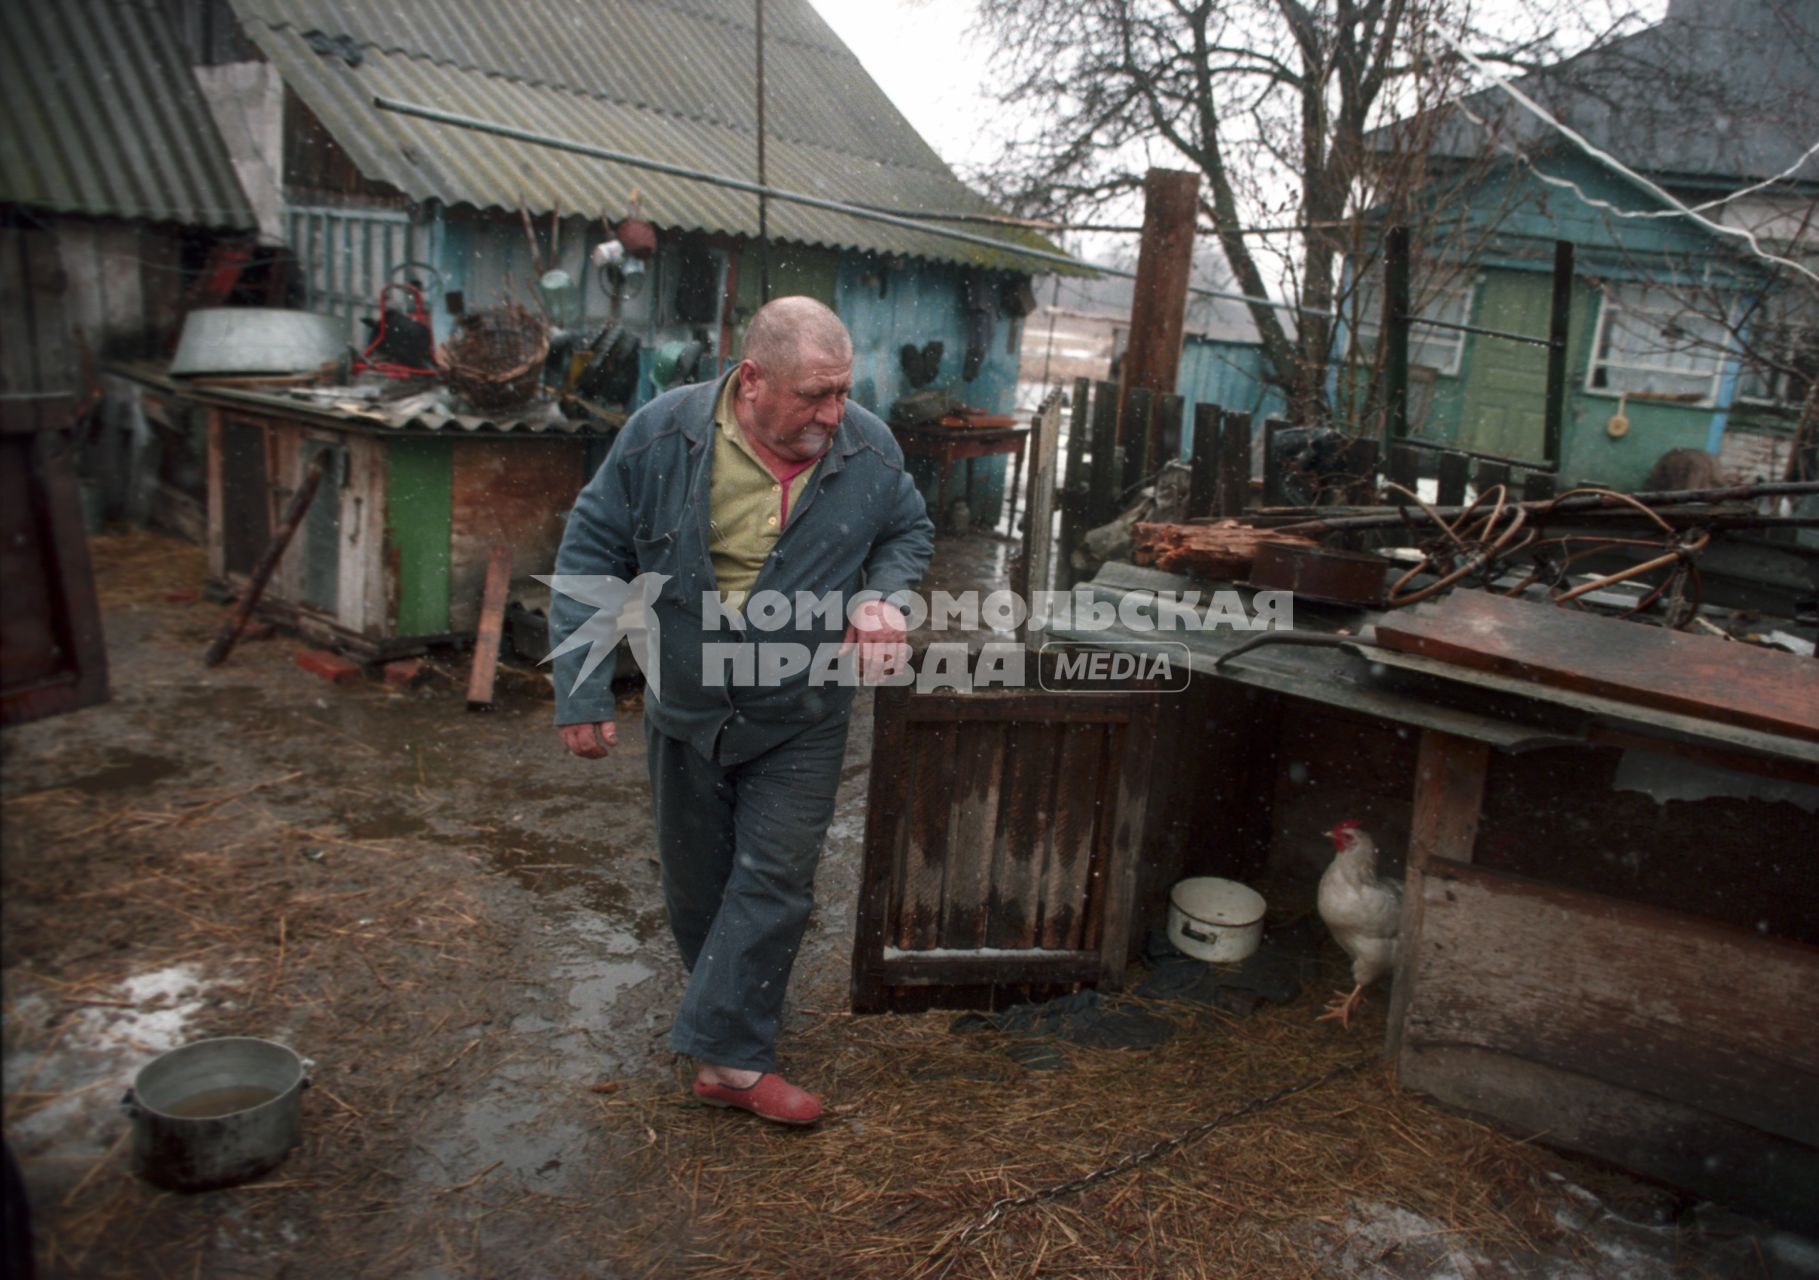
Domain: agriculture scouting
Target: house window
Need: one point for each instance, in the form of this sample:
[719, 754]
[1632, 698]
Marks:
[1781, 351]
[1441, 350]
[1650, 343]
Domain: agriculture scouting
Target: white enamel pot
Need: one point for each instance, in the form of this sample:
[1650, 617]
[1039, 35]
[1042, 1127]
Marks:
[1214, 919]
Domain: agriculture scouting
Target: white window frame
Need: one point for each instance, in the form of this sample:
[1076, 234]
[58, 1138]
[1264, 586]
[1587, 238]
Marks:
[1606, 376]
[1460, 296]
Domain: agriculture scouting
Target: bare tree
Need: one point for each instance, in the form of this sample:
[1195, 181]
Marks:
[1274, 103]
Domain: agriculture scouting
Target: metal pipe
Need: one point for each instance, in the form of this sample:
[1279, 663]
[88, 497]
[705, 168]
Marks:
[764, 204]
[793, 197]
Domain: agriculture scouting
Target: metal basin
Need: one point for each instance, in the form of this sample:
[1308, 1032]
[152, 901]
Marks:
[248, 340]
[216, 1112]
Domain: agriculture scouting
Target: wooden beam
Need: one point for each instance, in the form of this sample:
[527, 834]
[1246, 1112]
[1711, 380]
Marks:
[1234, 482]
[1107, 473]
[1165, 259]
[1449, 800]
[1202, 485]
[1715, 1016]
[492, 623]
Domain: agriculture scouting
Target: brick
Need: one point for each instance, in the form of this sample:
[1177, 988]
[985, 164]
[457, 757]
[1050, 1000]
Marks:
[406, 673]
[330, 666]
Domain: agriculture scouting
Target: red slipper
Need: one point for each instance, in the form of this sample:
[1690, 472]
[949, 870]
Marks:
[771, 1098]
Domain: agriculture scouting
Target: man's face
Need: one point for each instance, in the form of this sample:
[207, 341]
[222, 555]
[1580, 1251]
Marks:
[794, 412]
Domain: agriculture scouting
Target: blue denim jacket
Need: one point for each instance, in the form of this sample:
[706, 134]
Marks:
[860, 524]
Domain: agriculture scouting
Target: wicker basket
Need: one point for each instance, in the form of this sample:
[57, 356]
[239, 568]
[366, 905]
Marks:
[495, 358]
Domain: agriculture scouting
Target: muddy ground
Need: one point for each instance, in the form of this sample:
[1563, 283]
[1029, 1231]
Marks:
[461, 926]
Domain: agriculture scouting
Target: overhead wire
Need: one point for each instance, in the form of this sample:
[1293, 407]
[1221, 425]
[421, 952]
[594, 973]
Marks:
[1676, 206]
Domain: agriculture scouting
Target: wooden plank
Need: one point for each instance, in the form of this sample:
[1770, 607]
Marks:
[1170, 409]
[1033, 570]
[1405, 470]
[1537, 486]
[1677, 1144]
[887, 801]
[1115, 895]
[1360, 466]
[1202, 486]
[1074, 492]
[1272, 464]
[1022, 840]
[1076, 802]
[1107, 468]
[486, 636]
[1454, 468]
[924, 871]
[1448, 803]
[506, 491]
[957, 968]
[1694, 675]
[1661, 1002]
[1233, 485]
[972, 832]
[1133, 435]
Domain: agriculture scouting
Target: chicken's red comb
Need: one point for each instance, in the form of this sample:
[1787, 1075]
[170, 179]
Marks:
[1348, 824]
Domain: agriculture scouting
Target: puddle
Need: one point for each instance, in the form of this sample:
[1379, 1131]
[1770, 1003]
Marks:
[550, 865]
[125, 770]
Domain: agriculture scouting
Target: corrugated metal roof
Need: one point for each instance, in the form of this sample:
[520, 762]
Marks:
[669, 79]
[104, 117]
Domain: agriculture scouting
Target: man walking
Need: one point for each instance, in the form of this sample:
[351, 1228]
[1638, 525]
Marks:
[767, 482]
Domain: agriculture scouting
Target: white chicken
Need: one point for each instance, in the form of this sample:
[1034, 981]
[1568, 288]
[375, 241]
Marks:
[1364, 912]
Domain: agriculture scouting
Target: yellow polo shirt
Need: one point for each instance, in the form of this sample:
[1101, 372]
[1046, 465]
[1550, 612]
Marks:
[745, 505]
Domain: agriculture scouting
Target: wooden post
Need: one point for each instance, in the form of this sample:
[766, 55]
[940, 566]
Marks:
[1102, 505]
[1234, 482]
[1165, 258]
[1170, 409]
[1272, 463]
[1032, 571]
[1492, 474]
[1449, 798]
[492, 622]
[1453, 470]
[1405, 470]
[1202, 484]
[235, 622]
[1134, 429]
[1074, 487]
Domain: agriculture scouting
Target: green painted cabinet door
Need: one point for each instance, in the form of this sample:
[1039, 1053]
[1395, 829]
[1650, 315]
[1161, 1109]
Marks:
[1505, 403]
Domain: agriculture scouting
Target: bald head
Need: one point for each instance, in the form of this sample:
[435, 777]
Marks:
[788, 331]
[794, 378]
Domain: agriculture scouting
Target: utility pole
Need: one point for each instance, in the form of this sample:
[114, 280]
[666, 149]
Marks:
[1165, 259]
[764, 240]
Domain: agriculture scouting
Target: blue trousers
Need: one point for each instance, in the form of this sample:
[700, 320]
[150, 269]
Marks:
[738, 845]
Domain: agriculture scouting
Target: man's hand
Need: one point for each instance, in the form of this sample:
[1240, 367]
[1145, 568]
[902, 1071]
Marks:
[880, 631]
[590, 741]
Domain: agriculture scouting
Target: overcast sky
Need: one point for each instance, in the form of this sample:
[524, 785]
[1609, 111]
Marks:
[919, 53]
